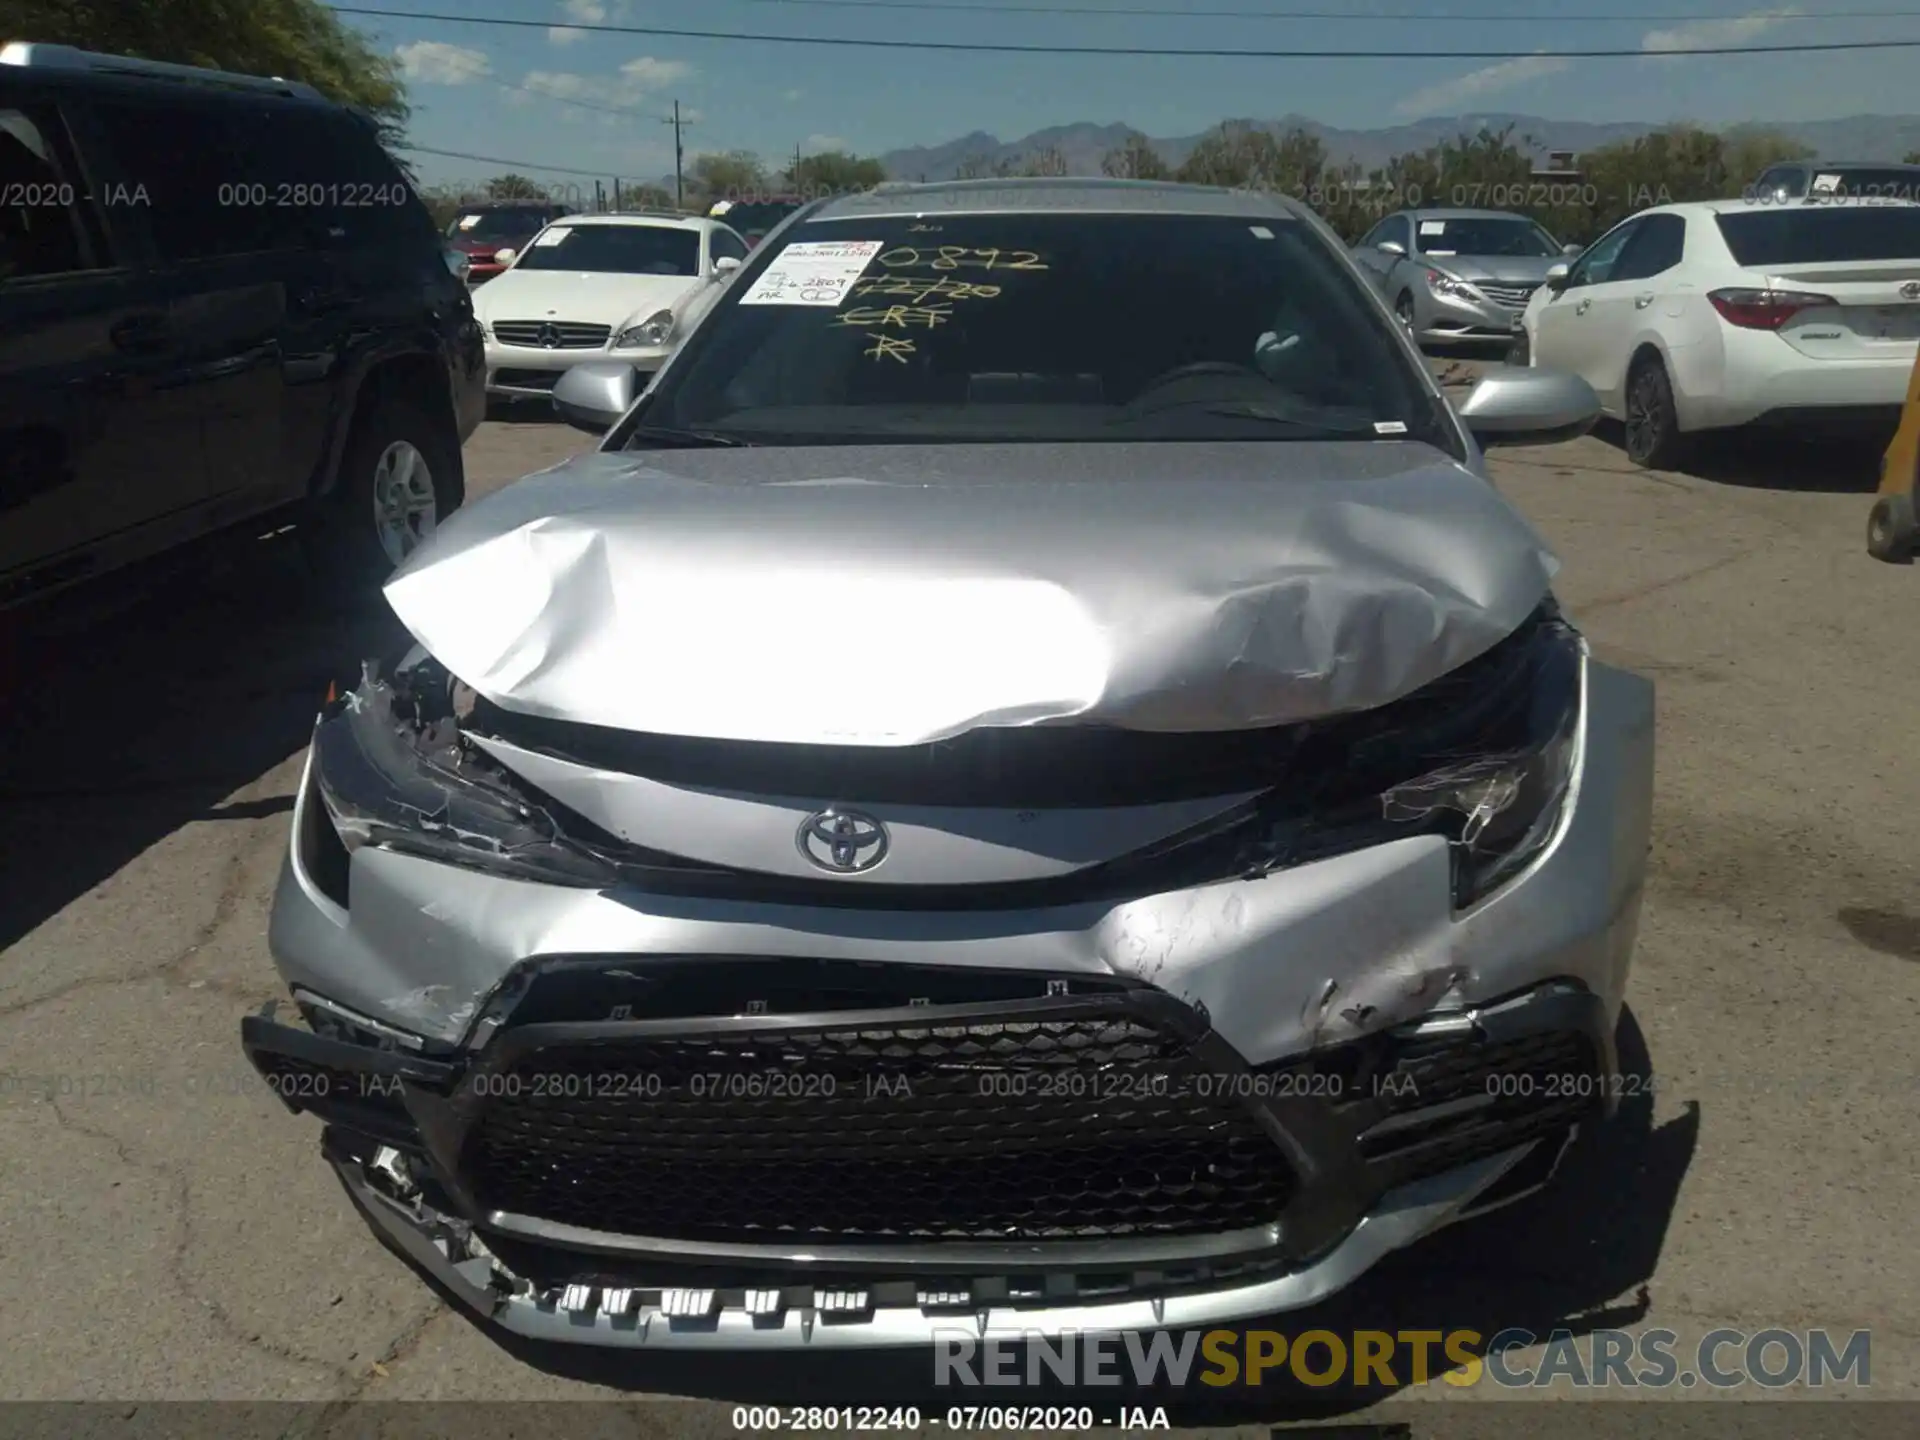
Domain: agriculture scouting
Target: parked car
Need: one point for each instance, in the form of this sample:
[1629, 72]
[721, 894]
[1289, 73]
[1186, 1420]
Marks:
[1454, 275]
[220, 301]
[1893, 525]
[1036, 755]
[483, 231]
[1712, 315]
[753, 220]
[598, 287]
[1816, 180]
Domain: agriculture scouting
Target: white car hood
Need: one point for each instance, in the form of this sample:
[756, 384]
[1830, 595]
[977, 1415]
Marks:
[896, 595]
[587, 298]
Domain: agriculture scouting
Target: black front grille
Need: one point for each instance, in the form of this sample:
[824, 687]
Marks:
[1021, 1129]
[565, 334]
[1515, 296]
[528, 379]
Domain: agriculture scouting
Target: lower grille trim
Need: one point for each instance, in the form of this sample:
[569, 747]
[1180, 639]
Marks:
[954, 1254]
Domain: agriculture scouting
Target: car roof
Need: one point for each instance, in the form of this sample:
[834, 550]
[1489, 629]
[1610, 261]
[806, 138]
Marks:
[1848, 165]
[479, 205]
[630, 217]
[1738, 206]
[1066, 195]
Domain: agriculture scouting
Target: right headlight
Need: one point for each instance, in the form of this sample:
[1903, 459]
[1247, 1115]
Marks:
[650, 332]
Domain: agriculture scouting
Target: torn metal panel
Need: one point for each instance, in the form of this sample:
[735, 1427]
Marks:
[1188, 588]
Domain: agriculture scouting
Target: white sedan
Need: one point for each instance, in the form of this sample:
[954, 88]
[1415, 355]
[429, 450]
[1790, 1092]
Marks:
[1716, 314]
[599, 288]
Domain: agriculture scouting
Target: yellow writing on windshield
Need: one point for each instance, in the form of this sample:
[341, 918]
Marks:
[889, 347]
[898, 317]
[960, 257]
[920, 289]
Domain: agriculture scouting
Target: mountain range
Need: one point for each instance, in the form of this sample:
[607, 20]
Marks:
[1082, 145]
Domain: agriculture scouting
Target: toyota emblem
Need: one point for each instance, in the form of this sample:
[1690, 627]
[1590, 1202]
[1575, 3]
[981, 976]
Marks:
[1911, 290]
[549, 337]
[844, 842]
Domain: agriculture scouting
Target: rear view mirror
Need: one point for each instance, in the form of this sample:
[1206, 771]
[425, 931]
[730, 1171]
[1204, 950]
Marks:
[594, 397]
[725, 265]
[1391, 247]
[1557, 275]
[1529, 407]
[1572, 249]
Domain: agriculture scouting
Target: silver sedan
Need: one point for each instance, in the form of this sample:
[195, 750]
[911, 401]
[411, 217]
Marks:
[1457, 275]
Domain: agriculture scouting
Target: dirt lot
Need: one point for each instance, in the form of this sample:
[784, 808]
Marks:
[169, 1232]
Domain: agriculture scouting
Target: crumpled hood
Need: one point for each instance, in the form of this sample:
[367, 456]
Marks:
[897, 595]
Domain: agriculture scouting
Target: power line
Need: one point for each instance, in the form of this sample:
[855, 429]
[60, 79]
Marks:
[1157, 51]
[496, 160]
[1103, 12]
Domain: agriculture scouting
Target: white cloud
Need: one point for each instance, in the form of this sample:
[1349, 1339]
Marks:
[791, 95]
[564, 34]
[635, 84]
[1448, 94]
[819, 144]
[587, 12]
[645, 70]
[437, 63]
[1701, 34]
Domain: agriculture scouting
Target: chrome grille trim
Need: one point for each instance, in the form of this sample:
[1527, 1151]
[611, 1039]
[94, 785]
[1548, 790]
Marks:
[573, 336]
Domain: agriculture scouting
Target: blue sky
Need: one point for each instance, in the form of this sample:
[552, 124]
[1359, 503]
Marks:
[504, 92]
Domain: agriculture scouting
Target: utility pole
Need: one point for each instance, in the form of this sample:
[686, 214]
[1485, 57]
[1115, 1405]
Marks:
[679, 158]
[616, 192]
[794, 173]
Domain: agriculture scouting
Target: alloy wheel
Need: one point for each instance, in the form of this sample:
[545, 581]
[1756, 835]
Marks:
[404, 508]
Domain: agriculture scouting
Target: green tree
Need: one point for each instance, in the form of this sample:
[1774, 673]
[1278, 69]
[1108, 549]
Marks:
[297, 39]
[979, 167]
[1046, 161]
[834, 172]
[645, 197]
[514, 187]
[1748, 152]
[733, 175]
[1912, 157]
[1242, 156]
[1135, 159]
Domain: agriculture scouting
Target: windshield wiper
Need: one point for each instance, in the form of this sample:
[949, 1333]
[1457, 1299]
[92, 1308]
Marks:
[669, 438]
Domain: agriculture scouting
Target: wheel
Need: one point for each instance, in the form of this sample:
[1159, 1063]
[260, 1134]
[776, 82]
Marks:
[399, 478]
[1653, 433]
[1891, 530]
[1403, 310]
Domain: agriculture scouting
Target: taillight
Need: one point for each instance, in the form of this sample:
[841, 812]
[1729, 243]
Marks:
[1765, 309]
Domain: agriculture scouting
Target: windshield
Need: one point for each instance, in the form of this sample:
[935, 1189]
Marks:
[508, 224]
[1807, 233]
[1515, 238]
[1015, 327]
[758, 218]
[1896, 184]
[615, 250]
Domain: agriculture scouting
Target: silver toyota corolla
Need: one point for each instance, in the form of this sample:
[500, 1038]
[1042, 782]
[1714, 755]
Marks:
[1030, 784]
[1454, 275]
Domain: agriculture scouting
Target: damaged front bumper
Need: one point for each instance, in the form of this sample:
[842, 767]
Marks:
[625, 1115]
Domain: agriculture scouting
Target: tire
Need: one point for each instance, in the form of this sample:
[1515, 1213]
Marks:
[1653, 438]
[1520, 353]
[400, 476]
[1891, 529]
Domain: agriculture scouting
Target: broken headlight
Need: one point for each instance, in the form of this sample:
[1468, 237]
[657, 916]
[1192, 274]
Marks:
[1498, 799]
[393, 770]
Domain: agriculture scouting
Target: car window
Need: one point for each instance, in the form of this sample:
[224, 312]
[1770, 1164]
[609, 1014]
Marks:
[1006, 330]
[1788, 178]
[615, 249]
[1399, 229]
[516, 222]
[181, 158]
[1595, 265]
[1897, 182]
[1476, 235]
[1805, 233]
[326, 174]
[1371, 240]
[727, 246]
[1655, 248]
[43, 217]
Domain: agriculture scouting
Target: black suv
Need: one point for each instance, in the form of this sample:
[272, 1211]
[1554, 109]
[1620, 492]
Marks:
[219, 300]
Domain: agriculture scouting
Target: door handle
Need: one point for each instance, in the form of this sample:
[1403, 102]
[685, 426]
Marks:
[1581, 308]
[144, 332]
[1640, 302]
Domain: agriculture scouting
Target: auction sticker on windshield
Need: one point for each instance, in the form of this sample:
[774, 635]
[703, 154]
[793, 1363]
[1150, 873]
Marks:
[554, 236]
[813, 272]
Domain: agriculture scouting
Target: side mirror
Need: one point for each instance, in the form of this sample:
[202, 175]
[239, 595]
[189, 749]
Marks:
[594, 397]
[1391, 247]
[1557, 276]
[1572, 249]
[506, 256]
[725, 265]
[1528, 407]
